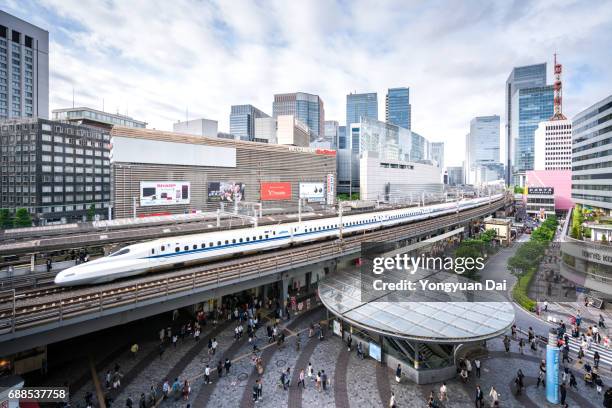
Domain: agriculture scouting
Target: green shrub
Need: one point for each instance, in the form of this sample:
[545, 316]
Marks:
[520, 290]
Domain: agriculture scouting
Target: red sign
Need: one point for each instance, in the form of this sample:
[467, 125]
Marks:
[326, 152]
[275, 191]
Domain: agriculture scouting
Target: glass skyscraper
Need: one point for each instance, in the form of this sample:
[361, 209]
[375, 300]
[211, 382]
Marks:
[529, 76]
[242, 121]
[361, 105]
[530, 107]
[306, 107]
[398, 110]
[481, 148]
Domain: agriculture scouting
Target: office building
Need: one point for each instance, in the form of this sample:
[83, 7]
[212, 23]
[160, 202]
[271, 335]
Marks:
[385, 141]
[56, 170]
[284, 130]
[393, 180]
[553, 145]
[24, 69]
[242, 121]
[306, 108]
[184, 173]
[197, 127]
[455, 175]
[592, 156]
[265, 130]
[530, 76]
[331, 133]
[482, 150]
[398, 110]
[93, 117]
[290, 131]
[361, 105]
[341, 138]
[437, 153]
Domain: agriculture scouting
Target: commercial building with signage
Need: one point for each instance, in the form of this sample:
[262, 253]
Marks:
[157, 172]
[551, 191]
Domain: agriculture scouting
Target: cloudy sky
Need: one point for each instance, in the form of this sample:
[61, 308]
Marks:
[157, 59]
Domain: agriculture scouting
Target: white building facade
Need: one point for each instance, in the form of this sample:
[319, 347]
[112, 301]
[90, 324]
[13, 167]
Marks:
[553, 145]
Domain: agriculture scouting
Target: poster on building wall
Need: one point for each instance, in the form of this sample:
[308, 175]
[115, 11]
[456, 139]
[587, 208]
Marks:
[312, 191]
[275, 191]
[225, 191]
[374, 351]
[337, 328]
[164, 193]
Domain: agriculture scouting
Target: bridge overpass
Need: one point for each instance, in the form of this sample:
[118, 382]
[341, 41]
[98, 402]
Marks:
[38, 317]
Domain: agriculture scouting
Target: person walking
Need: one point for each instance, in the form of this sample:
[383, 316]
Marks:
[310, 371]
[349, 342]
[255, 390]
[165, 389]
[477, 365]
[228, 365]
[572, 381]
[565, 353]
[398, 373]
[392, 403]
[318, 381]
[324, 380]
[596, 358]
[207, 375]
[507, 343]
[563, 392]
[478, 400]
[494, 397]
[443, 392]
[521, 345]
[186, 390]
[301, 379]
[260, 390]
[214, 346]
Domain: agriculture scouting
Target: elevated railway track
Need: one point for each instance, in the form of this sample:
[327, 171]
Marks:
[24, 310]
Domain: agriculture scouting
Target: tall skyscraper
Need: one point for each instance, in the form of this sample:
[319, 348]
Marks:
[529, 76]
[242, 121]
[398, 110]
[361, 105]
[437, 153]
[24, 69]
[481, 147]
[592, 156]
[307, 108]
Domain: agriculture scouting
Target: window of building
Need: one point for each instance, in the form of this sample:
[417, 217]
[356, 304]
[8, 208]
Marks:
[16, 36]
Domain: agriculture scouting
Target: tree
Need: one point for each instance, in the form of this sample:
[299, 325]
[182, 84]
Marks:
[22, 218]
[577, 220]
[6, 219]
[91, 212]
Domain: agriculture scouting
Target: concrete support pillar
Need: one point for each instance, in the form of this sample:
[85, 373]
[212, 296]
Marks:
[32, 262]
[265, 292]
[285, 292]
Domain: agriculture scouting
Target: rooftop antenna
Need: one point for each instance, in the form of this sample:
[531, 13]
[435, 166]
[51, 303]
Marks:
[558, 92]
[73, 97]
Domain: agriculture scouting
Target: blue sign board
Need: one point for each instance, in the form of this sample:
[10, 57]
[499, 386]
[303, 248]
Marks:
[552, 374]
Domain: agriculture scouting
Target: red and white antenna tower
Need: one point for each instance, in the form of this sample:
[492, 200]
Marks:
[558, 93]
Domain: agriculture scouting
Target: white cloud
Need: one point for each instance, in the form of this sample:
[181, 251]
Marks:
[158, 58]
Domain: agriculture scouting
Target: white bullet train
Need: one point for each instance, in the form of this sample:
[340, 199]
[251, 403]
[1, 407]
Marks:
[174, 252]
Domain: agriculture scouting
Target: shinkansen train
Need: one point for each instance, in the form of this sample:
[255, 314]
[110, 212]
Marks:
[174, 252]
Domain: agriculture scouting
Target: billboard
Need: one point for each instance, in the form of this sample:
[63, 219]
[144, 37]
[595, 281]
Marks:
[275, 191]
[312, 191]
[331, 189]
[164, 193]
[374, 351]
[541, 190]
[226, 191]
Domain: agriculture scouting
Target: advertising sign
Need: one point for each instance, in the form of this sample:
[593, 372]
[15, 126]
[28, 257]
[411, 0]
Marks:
[225, 191]
[337, 328]
[541, 190]
[552, 374]
[331, 189]
[164, 193]
[275, 191]
[312, 191]
[374, 351]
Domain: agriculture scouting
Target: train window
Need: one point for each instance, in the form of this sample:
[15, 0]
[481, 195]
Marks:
[186, 247]
[203, 245]
[240, 240]
[121, 252]
[163, 248]
[152, 251]
[218, 242]
[248, 239]
[266, 236]
[195, 246]
[177, 249]
[226, 242]
[234, 241]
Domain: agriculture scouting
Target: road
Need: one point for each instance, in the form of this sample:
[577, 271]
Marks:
[496, 268]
